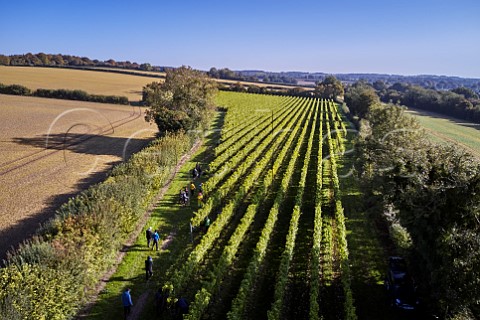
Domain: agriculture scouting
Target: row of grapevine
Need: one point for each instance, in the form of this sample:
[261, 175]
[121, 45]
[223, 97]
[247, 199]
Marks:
[282, 278]
[240, 301]
[247, 158]
[317, 232]
[349, 308]
[226, 149]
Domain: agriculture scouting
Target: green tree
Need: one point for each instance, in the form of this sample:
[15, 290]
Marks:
[4, 60]
[44, 58]
[185, 101]
[434, 192]
[146, 67]
[360, 97]
[466, 92]
[329, 88]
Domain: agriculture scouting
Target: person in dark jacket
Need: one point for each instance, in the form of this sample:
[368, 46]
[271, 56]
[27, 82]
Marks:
[127, 303]
[149, 267]
[199, 169]
[161, 301]
[182, 307]
[149, 235]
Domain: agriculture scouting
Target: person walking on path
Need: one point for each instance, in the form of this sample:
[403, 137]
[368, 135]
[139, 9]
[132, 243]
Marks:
[206, 223]
[192, 189]
[200, 199]
[127, 303]
[148, 235]
[182, 307]
[186, 195]
[149, 267]
[182, 197]
[199, 169]
[156, 237]
[160, 301]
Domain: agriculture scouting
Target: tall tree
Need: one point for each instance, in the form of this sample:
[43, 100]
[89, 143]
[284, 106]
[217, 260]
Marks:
[185, 100]
[329, 88]
[360, 97]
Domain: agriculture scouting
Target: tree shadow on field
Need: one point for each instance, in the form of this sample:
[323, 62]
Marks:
[212, 139]
[85, 143]
[92, 145]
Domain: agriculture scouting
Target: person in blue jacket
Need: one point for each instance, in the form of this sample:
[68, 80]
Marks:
[156, 237]
[127, 302]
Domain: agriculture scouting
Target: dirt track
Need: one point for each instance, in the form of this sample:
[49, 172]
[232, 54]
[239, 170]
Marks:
[51, 149]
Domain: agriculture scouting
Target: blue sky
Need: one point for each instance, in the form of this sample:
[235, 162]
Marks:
[397, 37]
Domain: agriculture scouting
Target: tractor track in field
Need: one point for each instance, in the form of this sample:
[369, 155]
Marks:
[77, 141]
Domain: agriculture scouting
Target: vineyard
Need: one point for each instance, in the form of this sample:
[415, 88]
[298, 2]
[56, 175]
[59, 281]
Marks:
[277, 246]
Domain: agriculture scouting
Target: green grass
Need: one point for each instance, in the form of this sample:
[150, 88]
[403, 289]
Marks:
[448, 130]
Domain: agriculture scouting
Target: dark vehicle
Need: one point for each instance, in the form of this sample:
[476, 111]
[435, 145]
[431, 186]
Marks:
[400, 286]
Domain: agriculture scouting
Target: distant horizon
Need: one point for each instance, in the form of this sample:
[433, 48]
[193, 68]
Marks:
[421, 37]
[252, 70]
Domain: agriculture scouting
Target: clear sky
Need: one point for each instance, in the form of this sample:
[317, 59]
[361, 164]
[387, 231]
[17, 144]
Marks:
[378, 36]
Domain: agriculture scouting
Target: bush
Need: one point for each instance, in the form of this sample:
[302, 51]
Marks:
[15, 89]
[79, 95]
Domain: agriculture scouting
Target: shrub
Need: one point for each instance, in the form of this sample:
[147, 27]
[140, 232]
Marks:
[15, 89]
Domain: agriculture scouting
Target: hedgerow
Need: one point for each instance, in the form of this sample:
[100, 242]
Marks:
[79, 95]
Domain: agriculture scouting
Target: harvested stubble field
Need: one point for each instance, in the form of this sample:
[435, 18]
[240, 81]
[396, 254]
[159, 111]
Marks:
[51, 149]
[110, 82]
[93, 82]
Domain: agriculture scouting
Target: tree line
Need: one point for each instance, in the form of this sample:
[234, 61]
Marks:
[428, 196]
[61, 60]
[265, 77]
[461, 102]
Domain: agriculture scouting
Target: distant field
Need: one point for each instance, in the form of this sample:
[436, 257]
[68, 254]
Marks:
[260, 84]
[94, 82]
[110, 82]
[449, 130]
[53, 148]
